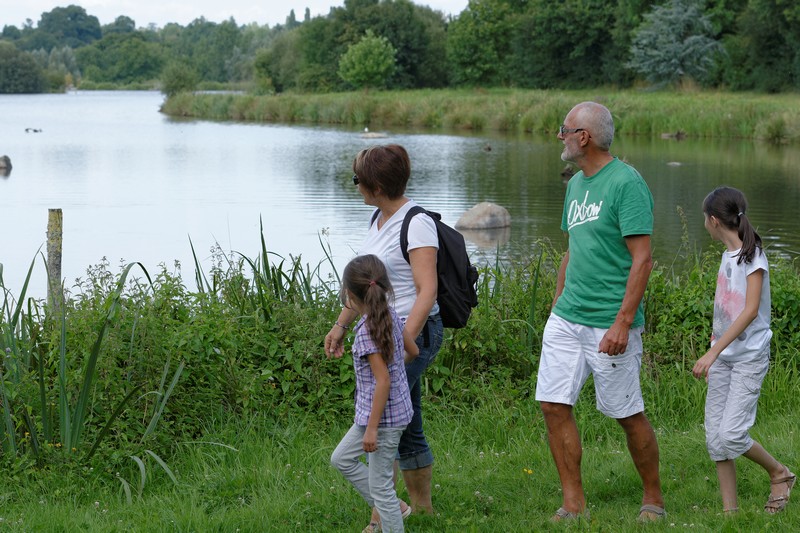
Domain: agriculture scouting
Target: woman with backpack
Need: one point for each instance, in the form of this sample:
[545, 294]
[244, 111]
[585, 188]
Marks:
[381, 175]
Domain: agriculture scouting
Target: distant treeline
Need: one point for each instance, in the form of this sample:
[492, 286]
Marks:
[735, 44]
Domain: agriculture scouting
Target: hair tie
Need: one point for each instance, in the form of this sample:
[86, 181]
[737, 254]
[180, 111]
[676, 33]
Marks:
[371, 282]
[741, 214]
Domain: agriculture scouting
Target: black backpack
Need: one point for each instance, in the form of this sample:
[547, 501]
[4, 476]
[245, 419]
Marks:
[457, 291]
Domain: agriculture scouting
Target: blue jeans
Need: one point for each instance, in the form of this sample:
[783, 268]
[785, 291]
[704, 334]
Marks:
[413, 451]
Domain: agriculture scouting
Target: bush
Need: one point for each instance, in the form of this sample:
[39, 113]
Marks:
[177, 78]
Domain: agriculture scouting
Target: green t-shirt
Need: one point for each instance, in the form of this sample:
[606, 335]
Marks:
[599, 212]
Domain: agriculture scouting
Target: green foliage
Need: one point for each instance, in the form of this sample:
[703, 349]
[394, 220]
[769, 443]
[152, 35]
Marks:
[478, 43]
[369, 63]
[562, 44]
[571, 44]
[177, 78]
[70, 26]
[206, 47]
[121, 24]
[276, 67]
[766, 48]
[121, 58]
[19, 71]
[27, 349]
[675, 42]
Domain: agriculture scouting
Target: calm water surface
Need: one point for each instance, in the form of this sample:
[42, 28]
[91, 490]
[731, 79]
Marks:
[135, 185]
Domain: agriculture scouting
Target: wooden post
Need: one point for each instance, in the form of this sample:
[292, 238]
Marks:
[55, 224]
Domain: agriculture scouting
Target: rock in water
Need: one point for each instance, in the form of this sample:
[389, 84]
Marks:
[485, 215]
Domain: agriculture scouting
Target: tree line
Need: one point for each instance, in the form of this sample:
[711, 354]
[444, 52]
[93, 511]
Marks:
[542, 44]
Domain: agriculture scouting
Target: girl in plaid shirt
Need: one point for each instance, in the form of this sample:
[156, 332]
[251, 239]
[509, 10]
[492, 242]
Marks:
[382, 401]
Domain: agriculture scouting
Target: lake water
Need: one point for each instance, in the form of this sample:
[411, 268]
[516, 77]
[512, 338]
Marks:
[135, 185]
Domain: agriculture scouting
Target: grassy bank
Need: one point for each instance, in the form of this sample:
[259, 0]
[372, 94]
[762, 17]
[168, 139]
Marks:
[149, 405]
[775, 118]
[493, 472]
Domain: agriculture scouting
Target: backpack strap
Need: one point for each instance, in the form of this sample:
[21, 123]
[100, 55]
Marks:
[374, 217]
[414, 211]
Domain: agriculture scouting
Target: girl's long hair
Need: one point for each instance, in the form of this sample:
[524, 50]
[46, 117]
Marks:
[729, 206]
[366, 279]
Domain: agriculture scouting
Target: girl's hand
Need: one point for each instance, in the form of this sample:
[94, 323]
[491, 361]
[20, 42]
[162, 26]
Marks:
[370, 443]
[334, 347]
[702, 365]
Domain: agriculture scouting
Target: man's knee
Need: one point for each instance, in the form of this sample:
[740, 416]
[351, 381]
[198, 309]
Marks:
[634, 422]
[556, 411]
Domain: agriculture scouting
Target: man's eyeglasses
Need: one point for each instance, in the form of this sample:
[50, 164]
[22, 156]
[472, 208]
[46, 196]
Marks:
[355, 179]
[565, 131]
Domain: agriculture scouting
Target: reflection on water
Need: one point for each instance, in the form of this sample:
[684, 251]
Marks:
[487, 239]
[136, 185]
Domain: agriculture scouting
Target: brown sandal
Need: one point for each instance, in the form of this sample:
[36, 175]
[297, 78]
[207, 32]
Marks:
[564, 515]
[776, 504]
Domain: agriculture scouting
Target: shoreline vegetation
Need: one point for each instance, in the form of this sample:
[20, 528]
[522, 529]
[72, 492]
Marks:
[683, 114]
[214, 408]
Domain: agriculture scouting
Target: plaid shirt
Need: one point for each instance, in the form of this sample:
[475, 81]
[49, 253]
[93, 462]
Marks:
[398, 410]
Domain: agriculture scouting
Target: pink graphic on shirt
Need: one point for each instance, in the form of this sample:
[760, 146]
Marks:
[728, 305]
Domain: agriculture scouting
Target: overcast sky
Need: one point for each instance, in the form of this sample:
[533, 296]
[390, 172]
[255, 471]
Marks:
[161, 12]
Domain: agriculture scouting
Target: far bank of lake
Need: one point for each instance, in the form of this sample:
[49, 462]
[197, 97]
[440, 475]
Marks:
[698, 114]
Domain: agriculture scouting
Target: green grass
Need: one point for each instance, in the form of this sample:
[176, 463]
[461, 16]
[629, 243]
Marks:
[774, 118]
[493, 472]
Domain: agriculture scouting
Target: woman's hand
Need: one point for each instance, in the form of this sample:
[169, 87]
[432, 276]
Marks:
[334, 347]
[410, 348]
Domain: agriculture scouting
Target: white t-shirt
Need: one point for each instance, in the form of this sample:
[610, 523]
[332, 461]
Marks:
[385, 243]
[729, 303]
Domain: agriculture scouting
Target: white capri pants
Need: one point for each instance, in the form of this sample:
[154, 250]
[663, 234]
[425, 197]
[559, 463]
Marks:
[731, 403]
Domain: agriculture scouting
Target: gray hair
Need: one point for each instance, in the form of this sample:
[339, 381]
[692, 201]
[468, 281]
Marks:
[597, 119]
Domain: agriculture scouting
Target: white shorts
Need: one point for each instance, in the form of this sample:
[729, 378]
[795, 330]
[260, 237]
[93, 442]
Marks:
[569, 355]
[731, 404]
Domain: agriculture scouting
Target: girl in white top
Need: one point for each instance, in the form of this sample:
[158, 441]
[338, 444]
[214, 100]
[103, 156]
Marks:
[738, 359]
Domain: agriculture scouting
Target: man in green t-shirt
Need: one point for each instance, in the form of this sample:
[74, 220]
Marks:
[597, 320]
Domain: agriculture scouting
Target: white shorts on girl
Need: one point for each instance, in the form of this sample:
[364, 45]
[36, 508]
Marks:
[569, 355]
[731, 404]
